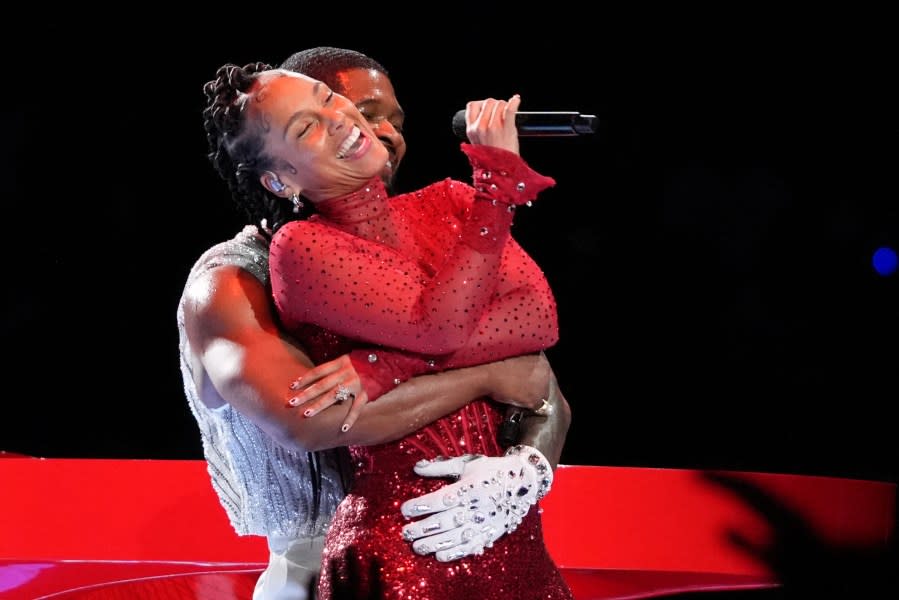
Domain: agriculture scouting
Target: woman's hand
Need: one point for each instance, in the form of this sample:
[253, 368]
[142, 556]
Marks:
[333, 382]
[491, 122]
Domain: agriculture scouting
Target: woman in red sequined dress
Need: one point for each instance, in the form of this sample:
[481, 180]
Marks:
[435, 274]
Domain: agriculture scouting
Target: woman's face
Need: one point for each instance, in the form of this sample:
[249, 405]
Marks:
[322, 145]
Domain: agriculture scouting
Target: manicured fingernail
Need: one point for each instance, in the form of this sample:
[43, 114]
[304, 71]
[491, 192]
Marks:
[294, 401]
[344, 428]
[307, 412]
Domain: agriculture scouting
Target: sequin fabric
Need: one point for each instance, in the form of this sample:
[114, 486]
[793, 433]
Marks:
[264, 488]
[436, 274]
[419, 272]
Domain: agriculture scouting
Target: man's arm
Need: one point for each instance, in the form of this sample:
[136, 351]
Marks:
[232, 330]
[547, 433]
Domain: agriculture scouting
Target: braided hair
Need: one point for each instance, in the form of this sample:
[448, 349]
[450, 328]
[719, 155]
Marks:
[236, 150]
[236, 144]
[324, 62]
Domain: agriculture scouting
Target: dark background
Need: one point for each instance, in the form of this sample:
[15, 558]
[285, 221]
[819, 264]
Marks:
[710, 246]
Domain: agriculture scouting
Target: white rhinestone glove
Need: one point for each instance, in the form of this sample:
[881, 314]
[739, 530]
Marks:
[490, 499]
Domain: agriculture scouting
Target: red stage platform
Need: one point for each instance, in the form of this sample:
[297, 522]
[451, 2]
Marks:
[142, 529]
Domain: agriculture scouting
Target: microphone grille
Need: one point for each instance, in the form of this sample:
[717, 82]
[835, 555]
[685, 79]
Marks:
[459, 124]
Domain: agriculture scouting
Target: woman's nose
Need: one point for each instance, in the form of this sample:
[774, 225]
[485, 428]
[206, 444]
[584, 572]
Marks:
[337, 121]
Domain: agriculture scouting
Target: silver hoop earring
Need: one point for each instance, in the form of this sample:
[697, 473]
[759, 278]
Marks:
[277, 186]
[297, 203]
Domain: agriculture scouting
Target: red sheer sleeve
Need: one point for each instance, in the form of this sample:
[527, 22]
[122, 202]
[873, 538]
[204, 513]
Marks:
[382, 369]
[487, 299]
[366, 291]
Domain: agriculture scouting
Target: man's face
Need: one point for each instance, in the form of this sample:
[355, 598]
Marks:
[372, 93]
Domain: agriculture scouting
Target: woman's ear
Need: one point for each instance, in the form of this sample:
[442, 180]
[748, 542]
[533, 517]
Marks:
[271, 182]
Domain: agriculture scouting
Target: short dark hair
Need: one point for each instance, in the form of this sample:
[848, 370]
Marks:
[324, 62]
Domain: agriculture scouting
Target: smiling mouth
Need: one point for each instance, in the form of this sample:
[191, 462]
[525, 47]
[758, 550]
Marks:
[351, 143]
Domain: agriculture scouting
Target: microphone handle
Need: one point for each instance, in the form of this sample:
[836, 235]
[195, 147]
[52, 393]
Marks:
[541, 124]
[553, 124]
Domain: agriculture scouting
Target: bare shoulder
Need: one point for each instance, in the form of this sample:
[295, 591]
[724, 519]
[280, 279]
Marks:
[223, 297]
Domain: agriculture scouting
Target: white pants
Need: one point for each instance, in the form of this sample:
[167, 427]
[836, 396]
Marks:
[292, 566]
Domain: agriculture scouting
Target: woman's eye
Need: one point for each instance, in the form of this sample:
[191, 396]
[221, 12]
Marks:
[303, 131]
[330, 95]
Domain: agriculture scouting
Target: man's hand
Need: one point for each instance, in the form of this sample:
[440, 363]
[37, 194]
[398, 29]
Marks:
[491, 497]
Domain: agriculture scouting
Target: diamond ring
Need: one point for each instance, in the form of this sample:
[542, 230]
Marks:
[342, 394]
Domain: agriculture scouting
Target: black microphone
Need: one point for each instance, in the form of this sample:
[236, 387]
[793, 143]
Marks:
[541, 124]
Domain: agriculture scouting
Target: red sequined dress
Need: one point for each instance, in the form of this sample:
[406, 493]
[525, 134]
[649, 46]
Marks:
[435, 280]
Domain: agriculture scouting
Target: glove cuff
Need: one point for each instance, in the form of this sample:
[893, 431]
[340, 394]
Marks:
[536, 459]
